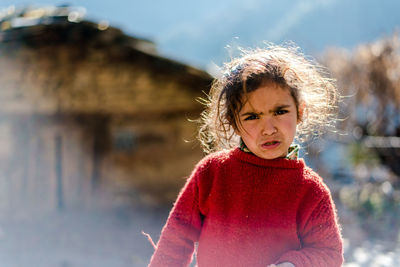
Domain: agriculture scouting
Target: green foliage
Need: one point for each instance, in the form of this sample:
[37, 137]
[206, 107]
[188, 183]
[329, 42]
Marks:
[360, 154]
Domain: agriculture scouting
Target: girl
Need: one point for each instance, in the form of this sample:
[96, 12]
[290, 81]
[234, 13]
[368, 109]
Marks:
[251, 202]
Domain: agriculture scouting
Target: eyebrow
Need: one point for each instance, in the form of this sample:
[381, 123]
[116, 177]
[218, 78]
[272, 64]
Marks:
[261, 113]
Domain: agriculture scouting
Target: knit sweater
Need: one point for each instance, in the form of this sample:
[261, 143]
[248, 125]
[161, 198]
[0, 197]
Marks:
[245, 211]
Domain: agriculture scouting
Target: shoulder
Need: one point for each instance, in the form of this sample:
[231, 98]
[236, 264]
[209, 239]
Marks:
[314, 182]
[315, 194]
[214, 159]
[211, 165]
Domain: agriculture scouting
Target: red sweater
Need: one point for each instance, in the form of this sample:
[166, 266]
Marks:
[250, 212]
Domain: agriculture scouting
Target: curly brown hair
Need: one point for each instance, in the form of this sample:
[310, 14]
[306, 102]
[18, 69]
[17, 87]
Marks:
[308, 82]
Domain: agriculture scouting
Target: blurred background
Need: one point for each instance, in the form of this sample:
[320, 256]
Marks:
[97, 111]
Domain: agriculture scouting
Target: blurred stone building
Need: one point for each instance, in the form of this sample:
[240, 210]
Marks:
[90, 118]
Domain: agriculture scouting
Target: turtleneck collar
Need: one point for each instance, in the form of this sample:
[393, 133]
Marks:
[277, 163]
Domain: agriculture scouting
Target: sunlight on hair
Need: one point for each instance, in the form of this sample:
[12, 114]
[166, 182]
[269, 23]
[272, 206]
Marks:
[313, 90]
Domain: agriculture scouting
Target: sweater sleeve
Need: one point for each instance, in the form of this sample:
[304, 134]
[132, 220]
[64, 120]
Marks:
[320, 237]
[176, 245]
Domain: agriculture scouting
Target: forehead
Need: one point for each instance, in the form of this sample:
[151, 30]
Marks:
[268, 95]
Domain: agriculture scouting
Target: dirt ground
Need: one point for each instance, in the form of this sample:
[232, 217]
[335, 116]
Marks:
[71, 239]
[115, 239]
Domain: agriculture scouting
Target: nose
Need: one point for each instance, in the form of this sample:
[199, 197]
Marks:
[268, 127]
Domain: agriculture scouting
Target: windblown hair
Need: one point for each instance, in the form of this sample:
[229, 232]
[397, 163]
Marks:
[309, 85]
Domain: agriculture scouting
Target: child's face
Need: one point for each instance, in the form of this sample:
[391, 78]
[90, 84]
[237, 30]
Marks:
[268, 121]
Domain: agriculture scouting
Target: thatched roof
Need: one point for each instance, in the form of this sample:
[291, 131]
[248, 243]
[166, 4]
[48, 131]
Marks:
[52, 25]
[36, 27]
[55, 48]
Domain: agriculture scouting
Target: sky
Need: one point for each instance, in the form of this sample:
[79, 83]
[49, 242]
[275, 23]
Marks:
[200, 32]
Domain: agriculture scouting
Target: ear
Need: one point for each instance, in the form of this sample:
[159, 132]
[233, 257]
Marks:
[300, 112]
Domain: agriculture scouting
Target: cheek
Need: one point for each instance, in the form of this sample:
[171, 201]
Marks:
[290, 126]
[244, 130]
[248, 130]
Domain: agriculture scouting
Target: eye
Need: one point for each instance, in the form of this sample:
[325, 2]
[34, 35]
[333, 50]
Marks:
[251, 117]
[281, 112]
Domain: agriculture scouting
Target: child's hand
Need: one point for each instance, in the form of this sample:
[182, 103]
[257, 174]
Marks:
[283, 264]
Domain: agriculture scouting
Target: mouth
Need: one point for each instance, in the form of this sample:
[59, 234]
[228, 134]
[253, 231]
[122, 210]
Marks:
[270, 144]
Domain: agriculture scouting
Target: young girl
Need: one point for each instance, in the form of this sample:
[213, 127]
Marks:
[251, 202]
